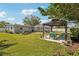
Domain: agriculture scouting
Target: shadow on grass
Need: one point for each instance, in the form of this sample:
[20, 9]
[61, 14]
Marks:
[2, 53]
[4, 45]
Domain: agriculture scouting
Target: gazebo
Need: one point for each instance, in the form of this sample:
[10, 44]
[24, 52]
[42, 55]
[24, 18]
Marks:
[56, 22]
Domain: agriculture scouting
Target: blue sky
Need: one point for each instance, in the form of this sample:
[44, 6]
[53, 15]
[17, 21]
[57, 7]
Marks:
[15, 12]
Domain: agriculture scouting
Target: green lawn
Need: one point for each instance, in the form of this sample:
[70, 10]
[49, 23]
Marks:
[30, 45]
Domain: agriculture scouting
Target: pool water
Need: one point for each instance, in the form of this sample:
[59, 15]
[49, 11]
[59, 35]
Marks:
[62, 37]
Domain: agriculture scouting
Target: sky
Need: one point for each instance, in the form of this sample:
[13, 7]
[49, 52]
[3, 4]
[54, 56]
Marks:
[16, 12]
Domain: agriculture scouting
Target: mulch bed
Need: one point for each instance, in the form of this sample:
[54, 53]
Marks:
[73, 48]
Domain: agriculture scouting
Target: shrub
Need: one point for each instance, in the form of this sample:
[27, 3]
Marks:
[8, 31]
[26, 32]
[74, 32]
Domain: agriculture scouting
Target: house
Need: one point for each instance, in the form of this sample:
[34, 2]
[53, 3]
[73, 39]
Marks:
[29, 28]
[2, 29]
[25, 28]
[39, 28]
[9, 27]
[18, 28]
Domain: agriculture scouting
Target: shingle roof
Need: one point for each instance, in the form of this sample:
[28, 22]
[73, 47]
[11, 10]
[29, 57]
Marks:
[23, 25]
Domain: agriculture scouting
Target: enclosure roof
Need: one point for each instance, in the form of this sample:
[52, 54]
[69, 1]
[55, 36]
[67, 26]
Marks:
[56, 23]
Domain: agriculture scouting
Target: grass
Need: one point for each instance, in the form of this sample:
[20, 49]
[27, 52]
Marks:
[31, 45]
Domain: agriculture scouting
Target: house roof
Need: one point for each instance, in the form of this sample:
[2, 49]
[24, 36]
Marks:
[39, 25]
[23, 25]
[8, 25]
[18, 25]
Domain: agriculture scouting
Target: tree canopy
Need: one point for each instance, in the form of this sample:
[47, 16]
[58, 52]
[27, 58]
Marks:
[68, 11]
[31, 20]
[3, 23]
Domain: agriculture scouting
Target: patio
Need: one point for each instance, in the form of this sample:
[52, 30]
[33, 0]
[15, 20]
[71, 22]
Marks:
[53, 36]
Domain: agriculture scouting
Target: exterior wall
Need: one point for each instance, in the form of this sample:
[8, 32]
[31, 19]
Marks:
[20, 29]
[61, 30]
[10, 28]
[40, 28]
[48, 28]
[2, 29]
[37, 29]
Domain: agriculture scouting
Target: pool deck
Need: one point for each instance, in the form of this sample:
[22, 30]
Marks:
[48, 38]
[58, 41]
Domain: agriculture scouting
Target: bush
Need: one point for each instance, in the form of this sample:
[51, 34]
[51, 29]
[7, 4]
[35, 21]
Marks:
[75, 34]
[27, 32]
[8, 31]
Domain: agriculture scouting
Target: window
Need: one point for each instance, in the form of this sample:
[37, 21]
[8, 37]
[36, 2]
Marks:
[21, 28]
[11, 28]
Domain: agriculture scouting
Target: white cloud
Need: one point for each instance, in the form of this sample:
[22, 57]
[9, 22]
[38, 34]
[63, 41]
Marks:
[44, 21]
[28, 11]
[2, 14]
[19, 23]
[10, 19]
[13, 21]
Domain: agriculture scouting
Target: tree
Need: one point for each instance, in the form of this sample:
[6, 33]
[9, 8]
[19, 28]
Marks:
[31, 20]
[66, 11]
[3, 23]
